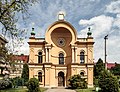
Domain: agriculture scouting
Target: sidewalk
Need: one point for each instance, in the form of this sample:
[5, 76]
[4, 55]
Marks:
[60, 90]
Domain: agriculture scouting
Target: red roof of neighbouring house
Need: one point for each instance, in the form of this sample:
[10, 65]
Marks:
[23, 58]
[110, 65]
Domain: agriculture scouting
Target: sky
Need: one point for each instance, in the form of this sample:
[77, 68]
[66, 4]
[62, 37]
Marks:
[102, 16]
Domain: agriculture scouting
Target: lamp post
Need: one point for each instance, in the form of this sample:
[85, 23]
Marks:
[106, 37]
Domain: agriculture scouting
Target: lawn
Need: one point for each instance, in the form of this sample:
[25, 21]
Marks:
[88, 90]
[20, 90]
[15, 90]
[85, 90]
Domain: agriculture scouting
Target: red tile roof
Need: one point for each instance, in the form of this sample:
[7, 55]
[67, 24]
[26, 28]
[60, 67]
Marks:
[110, 65]
[23, 58]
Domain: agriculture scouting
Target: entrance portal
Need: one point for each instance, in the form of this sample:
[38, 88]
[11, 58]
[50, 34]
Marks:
[61, 79]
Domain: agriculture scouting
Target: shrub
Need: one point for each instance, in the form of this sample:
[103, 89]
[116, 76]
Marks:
[33, 85]
[25, 73]
[77, 82]
[108, 83]
[95, 82]
[98, 68]
[5, 83]
[17, 81]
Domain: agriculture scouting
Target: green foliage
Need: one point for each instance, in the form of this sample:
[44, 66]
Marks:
[95, 82]
[17, 81]
[108, 83]
[10, 13]
[8, 10]
[116, 70]
[5, 84]
[98, 68]
[33, 85]
[77, 82]
[25, 72]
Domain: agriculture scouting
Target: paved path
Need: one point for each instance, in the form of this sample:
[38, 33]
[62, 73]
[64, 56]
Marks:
[60, 90]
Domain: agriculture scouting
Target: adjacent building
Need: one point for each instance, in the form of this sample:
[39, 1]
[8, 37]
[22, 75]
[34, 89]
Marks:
[3, 64]
[60, 54]
[17, 65]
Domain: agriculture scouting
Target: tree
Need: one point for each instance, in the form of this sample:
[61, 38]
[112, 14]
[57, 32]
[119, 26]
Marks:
[98, 68]
[77, 82]
[33, 85]
[5, 84]
[107, 82]
[116, 70]
[25, 73]
[10, 13]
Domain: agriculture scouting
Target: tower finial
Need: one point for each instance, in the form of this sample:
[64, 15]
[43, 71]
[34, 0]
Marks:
[89, 33]
[61, 15]
[88, 28]
[33, 33]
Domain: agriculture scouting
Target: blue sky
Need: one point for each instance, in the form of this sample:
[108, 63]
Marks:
[103, 16]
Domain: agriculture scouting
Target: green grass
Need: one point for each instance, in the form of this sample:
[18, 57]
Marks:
[88, 90]
[15, 90]
[20, 90]
[43, 89]
[85, 90]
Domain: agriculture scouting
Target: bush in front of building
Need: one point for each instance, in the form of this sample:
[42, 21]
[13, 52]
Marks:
[33, 85]
[77, 82]
[5, 84]
[108, 82]
[17, 81]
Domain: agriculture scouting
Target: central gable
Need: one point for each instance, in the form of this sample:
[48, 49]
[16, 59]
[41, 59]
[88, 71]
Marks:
[62, 29]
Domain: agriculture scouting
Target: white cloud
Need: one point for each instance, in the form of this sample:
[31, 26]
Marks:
[113, 7]
[117, 21]
[101, 26]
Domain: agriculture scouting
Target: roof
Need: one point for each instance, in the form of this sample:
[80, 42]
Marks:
[23, 58]
[110, 65]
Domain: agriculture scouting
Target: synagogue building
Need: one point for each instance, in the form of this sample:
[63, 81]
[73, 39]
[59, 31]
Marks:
[61, 54]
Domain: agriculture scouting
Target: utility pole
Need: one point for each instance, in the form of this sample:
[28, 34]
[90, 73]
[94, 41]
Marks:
[106, 37]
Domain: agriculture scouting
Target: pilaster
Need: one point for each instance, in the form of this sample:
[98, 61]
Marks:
[75, 54]
[47, 67]
[90, 75]
[47, 53]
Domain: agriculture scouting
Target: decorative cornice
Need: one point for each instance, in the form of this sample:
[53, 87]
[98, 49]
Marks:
[36, 43]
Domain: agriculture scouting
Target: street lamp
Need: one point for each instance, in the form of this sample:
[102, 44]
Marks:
[106, 37]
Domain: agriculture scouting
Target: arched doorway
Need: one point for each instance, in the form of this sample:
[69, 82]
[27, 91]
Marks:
[61, 79]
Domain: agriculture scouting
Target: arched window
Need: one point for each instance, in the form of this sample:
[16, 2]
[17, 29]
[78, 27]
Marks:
[40, 57]
[82, 57]
[61, 58]
[40, 77]
[82, 74]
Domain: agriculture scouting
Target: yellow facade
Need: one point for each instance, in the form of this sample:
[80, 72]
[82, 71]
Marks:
[59, 55]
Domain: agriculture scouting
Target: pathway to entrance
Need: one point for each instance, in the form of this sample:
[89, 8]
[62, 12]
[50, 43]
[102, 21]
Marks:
[60, 90]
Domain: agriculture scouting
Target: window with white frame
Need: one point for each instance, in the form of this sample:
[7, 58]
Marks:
[61, 58]
[82, 57]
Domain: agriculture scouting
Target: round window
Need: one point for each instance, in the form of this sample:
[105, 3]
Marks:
[61, 42]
